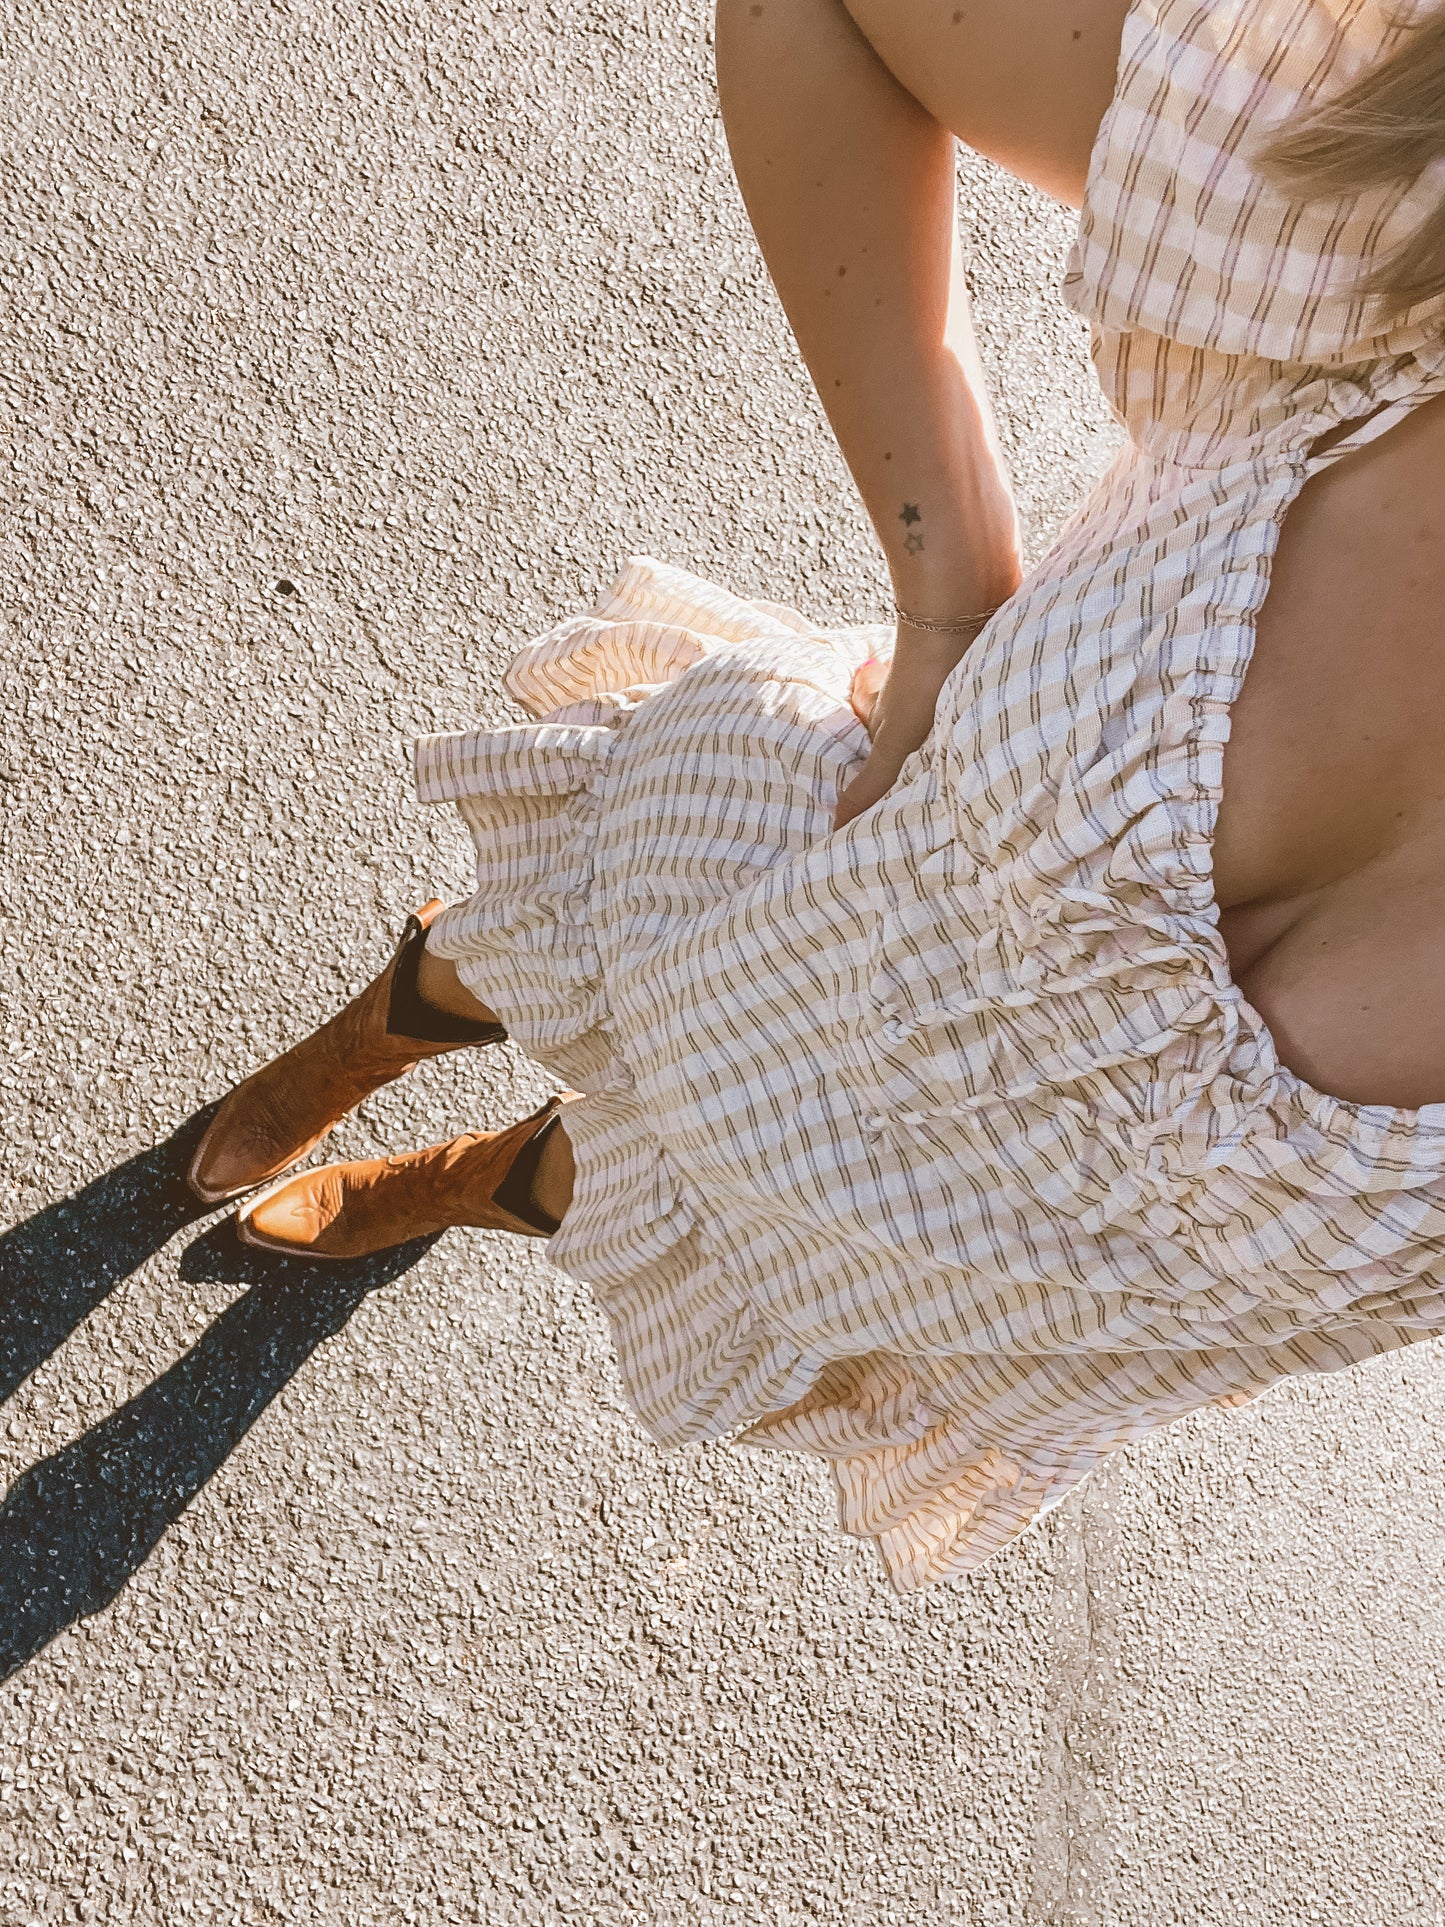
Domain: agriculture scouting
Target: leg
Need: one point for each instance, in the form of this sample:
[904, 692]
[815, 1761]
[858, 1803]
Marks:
[518, 1179]
[841, 123]
[552, 1187]
[278, 1114]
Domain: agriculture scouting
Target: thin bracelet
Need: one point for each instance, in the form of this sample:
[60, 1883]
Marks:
[947, 626]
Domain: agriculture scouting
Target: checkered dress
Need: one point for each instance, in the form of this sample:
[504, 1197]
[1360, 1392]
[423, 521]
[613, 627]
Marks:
[944, 1146]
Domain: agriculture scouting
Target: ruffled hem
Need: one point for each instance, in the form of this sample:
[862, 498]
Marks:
[531, 795]
[699, 1364]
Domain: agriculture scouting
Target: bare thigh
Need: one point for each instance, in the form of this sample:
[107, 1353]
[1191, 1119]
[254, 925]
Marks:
[1025, 84]
[1329, 858]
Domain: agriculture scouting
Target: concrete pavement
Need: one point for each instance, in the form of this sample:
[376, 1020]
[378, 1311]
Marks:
[345, 346]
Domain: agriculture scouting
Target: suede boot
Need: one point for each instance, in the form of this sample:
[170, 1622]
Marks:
[270, 1122]
[348, 1211]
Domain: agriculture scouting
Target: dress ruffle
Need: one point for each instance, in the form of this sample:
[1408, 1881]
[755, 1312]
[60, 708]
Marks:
[697, 1353]
[530, 795]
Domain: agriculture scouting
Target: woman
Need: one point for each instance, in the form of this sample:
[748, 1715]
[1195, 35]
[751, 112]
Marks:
[1090, 1070]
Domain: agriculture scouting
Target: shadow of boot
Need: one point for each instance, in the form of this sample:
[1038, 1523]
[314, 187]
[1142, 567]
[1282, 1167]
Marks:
[56, 1267]
[77, 1525]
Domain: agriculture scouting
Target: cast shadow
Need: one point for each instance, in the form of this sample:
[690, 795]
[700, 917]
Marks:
[56, 1267]
[76, 1526]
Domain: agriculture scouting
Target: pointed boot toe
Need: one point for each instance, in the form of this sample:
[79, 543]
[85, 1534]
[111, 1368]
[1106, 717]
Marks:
[297, 1217]
[253, 1138]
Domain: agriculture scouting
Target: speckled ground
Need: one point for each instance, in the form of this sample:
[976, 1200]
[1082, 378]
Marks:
[345, 346]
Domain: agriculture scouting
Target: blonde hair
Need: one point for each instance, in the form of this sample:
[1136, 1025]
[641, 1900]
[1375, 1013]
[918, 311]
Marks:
[1387, 126]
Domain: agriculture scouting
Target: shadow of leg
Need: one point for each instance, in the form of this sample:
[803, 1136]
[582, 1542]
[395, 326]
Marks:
[56, 1267]
[77, 1525]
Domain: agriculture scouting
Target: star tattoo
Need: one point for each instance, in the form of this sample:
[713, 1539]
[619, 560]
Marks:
[913, 543]
[911, 514]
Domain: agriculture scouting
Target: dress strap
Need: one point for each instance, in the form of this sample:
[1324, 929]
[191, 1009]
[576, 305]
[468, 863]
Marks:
[1367, 429]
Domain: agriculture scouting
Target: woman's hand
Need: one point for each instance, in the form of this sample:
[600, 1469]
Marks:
[895, 704]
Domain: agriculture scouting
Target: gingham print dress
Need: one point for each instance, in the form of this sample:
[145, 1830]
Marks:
[944, 1145]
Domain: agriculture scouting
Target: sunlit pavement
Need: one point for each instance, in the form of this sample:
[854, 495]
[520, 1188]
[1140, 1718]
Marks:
[345, 347]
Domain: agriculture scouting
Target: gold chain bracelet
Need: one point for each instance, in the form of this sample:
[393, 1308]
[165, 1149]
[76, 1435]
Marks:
[951, 625]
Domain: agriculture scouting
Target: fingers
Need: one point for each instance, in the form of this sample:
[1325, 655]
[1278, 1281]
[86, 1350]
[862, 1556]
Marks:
[868, 681]
[897, 711]
[869, 786]
[850, 804]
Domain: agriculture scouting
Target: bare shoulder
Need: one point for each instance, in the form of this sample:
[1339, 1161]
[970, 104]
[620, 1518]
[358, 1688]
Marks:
[1027, 86]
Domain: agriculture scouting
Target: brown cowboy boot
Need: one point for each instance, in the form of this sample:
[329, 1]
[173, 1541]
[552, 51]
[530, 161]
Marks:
[346, 1211]
[269, 1122]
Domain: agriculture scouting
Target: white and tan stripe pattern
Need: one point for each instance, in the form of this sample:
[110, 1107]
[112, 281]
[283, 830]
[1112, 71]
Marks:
[944, 1146]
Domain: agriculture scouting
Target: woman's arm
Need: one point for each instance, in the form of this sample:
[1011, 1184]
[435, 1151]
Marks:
[850, 187]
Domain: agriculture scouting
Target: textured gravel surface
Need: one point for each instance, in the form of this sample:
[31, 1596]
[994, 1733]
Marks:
[346, 345]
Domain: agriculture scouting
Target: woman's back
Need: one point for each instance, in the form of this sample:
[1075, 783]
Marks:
[1232, 316]
[1330, 846]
